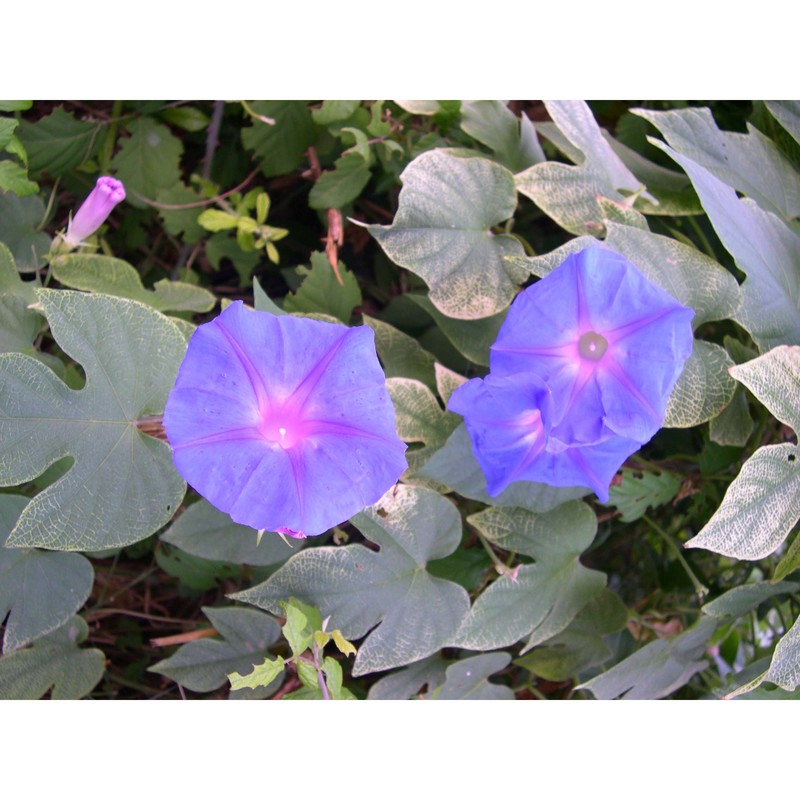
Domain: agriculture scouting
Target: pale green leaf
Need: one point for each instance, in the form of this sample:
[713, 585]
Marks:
[203, 665]
[408, 682]
[262, 675]
[296, 630]
[469, 679]
[206, 532]
[389, 594]
[336, 188]
[441, 232]
[96, 273]
[41, 590]
[774, 379]
[454, 465]
[53, 662]
[401, 354]
[581, 644]
[764, 247]
[749, 163]
[639, 491]
[280, 147]
[422, 107]
[148, 160]
[212, 219]
[342, 645]
[658, 669]
[784, 671]
[58, 142]
[321, 293]
[760, 508]
[511, 138]
[537, 600]
[14, 179]
[733, 425]
[122, 485]
[704, 387]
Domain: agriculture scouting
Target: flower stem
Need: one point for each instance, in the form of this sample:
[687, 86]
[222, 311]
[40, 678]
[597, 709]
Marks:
[701, 589]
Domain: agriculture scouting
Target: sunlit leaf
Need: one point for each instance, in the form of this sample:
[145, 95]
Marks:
[442, 232]
[704, 388]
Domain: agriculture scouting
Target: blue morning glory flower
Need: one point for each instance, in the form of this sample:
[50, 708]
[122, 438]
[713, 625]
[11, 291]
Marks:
[283, 422]
[607, 345]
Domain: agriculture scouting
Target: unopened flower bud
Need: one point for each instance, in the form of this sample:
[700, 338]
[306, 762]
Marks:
[95, 210]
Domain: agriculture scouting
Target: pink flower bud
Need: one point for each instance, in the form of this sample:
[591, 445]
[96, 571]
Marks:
[95, 210]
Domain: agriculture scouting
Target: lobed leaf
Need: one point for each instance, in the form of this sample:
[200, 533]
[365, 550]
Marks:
[39, 591]
[204, 665]
[122, 485]
[537, 600]
[389, 595]
[469, 679]
[764, 247]
[54, 662]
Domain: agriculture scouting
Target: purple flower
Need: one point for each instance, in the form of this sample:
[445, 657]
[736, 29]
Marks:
[282, 422]
[95, 210]
[594, 349]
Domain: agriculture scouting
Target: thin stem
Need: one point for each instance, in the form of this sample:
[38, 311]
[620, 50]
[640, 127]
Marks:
[702, 237]
[111, 138]
[699, 587]
[499, 565]
[212, 137]
[320, 676]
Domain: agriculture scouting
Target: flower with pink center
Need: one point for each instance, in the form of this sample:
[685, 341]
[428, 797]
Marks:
[283, 422]
[608, 345]
[94, 211]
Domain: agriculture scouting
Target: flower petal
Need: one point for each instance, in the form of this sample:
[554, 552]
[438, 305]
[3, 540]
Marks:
[282, 422]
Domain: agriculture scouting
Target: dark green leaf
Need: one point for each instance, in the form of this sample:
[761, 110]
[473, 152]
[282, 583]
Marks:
[41, 590]
[204, 665]
[53, 662]
[206, 532]
[148, 161]
[321, 293]
[280, 147]
[337, 188]
[58, 142]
